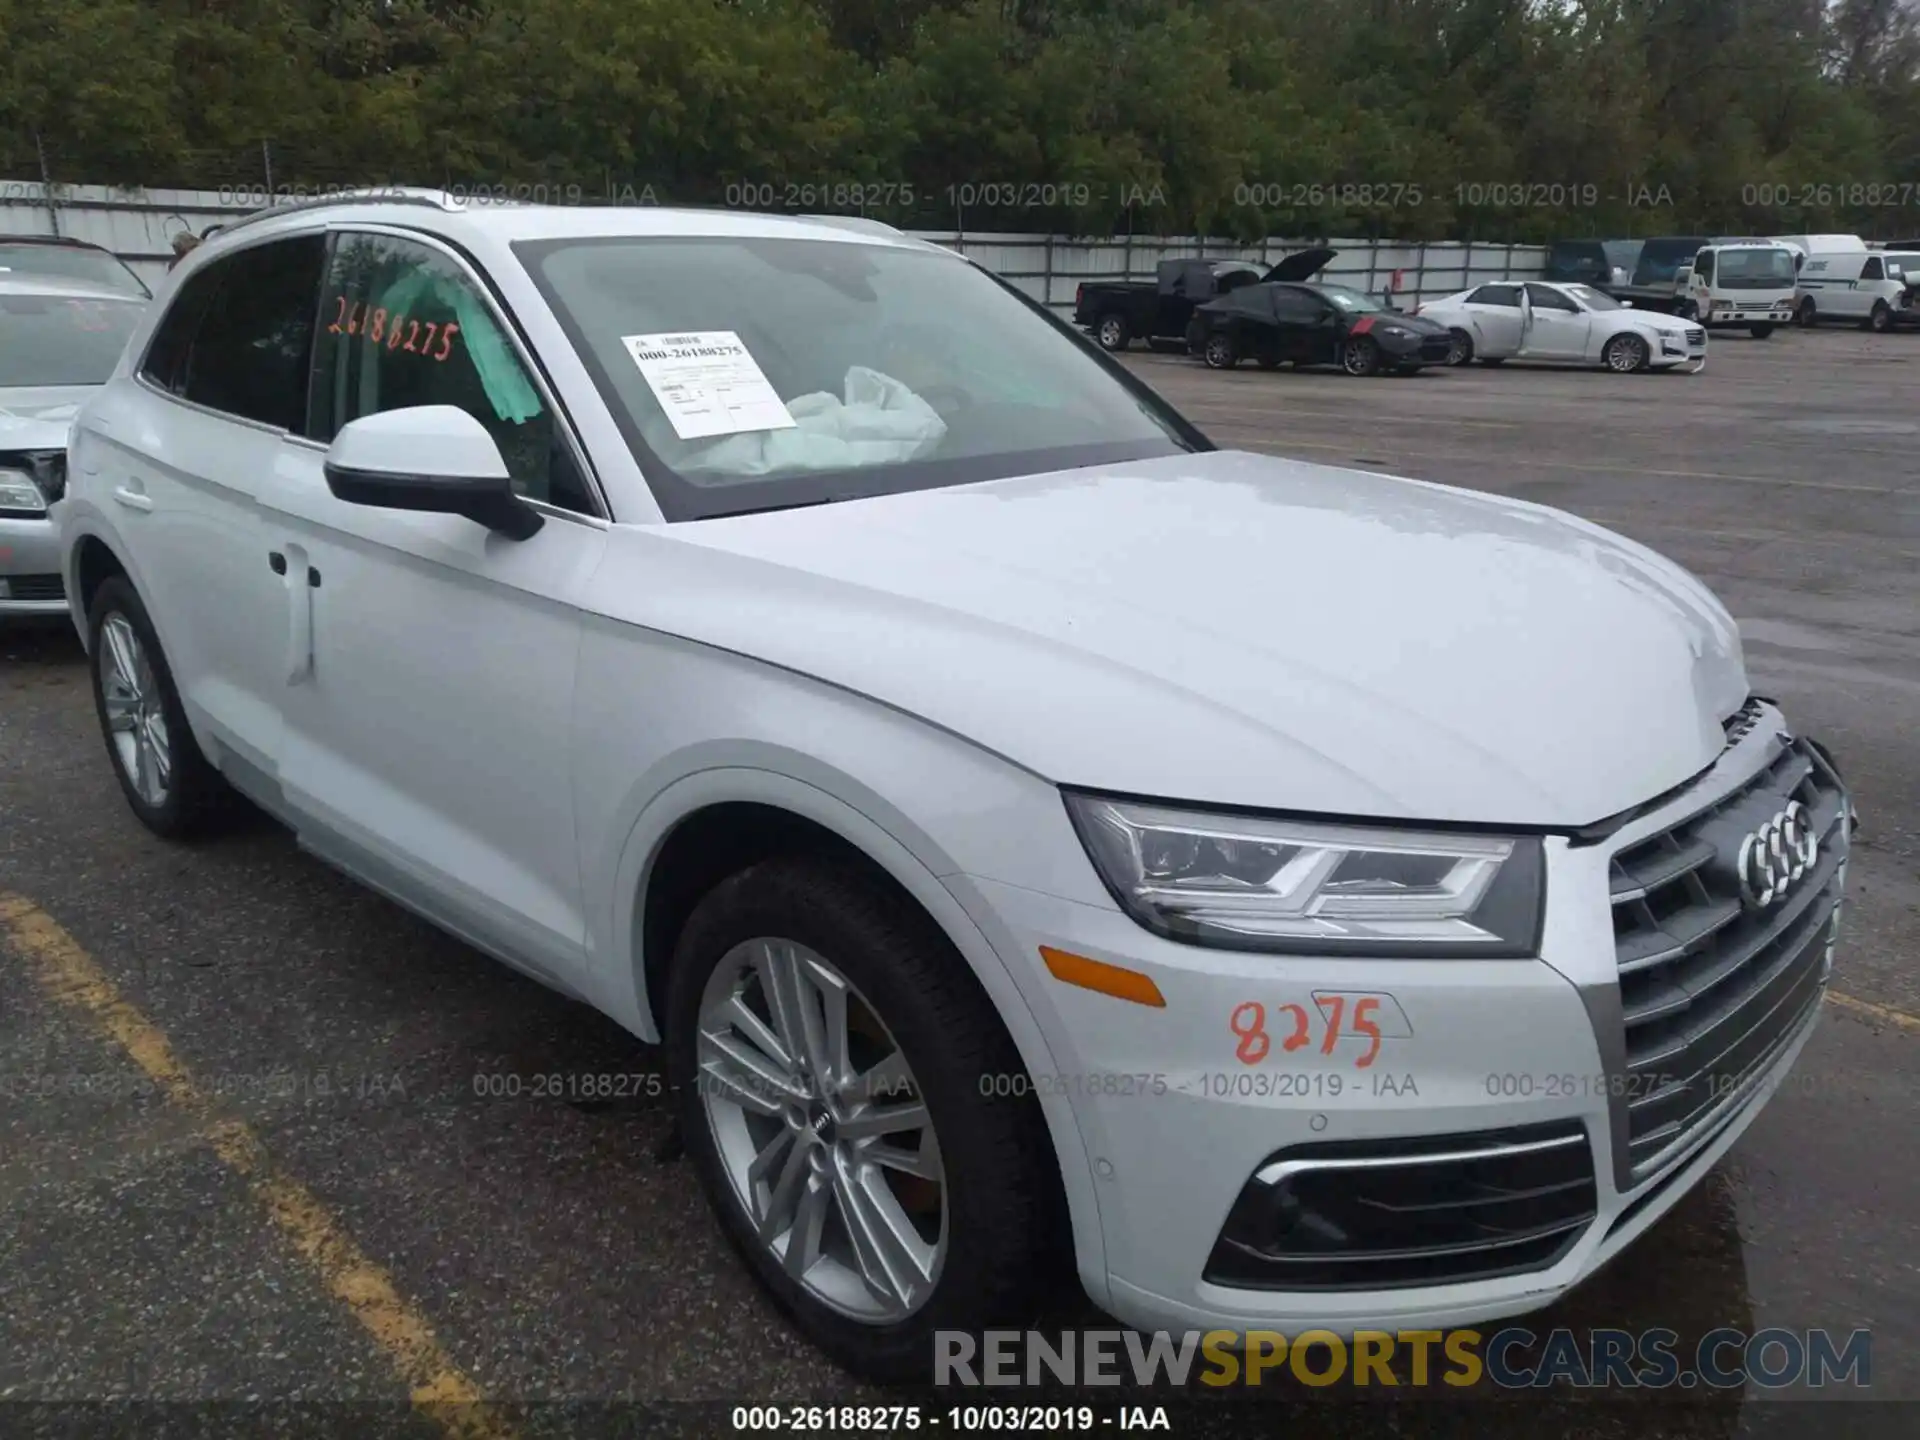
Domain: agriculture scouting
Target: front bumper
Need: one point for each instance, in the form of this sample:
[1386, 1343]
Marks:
[1724, 314]
[30, 576]
[1178, 1123]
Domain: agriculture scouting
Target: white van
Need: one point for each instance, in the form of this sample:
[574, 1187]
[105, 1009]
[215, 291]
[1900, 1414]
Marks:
[1748, 283]
[1820, 244]
[1863, 286]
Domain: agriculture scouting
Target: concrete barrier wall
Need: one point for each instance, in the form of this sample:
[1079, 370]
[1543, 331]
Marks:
[139, 226]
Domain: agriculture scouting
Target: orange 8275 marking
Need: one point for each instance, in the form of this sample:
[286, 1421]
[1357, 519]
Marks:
[1252, 1043]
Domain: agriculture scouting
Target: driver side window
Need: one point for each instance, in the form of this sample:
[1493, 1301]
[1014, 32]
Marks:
[1543, 298]
[400, 325]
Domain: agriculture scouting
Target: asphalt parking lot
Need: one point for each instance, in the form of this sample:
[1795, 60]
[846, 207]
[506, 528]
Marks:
[256, 1140]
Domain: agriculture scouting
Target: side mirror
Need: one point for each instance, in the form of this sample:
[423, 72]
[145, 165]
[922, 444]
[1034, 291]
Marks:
[428, 457]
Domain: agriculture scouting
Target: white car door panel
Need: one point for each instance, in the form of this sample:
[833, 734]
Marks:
[428, 664]
[428, 698]
[1553, 333]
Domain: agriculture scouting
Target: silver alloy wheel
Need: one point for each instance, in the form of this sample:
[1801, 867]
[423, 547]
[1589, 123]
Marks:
[1113, 332]
[1219, 352]
[822, 1130]
[1625, 354]
[1460, 350]
[136, 719]
[1356, 358]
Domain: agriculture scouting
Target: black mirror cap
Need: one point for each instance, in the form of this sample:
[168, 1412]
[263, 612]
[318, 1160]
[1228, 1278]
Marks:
[487, 502]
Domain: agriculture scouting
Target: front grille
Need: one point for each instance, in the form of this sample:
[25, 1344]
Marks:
[1380, 1214]
[1696, 336]
[1712, 987]
[34, 587]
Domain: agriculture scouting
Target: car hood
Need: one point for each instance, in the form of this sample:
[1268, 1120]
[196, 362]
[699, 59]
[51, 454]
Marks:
[1234, 629]
[39, 417]
[1418, 324]
[1655, 320]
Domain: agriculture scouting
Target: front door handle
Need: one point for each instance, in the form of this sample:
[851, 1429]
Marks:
[133, 499]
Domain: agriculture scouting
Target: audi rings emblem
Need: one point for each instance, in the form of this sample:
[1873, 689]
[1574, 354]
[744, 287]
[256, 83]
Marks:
[1773, 857]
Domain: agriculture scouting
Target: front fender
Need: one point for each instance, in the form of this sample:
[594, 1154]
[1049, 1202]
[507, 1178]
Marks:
[919, 872]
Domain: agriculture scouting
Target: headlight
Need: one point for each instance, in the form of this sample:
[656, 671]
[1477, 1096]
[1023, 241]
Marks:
[19, 492]
[1248, 883]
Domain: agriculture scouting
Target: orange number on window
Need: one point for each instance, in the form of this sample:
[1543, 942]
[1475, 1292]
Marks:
[431, 327]
[353, 319]
[1249, 1021]
[447, 332]
[395, 331]
[378, 327]
[413, 332]
[339, 314]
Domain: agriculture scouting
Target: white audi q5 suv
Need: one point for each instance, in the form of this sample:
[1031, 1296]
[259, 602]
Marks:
[1316, 897]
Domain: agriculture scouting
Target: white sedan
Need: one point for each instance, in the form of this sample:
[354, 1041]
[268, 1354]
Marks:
[1564, 324]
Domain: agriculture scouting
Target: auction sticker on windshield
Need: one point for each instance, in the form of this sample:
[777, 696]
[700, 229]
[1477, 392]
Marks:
[708, 383]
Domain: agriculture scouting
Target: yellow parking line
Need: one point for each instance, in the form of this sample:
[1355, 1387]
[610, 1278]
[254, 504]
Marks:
[1886, 1014]
[438, 1386]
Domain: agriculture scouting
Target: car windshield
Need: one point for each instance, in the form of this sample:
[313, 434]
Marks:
[62, 340]
[1771, 267]
[70, 262]
[1352, 301]
[1593, 299]
[755, 373]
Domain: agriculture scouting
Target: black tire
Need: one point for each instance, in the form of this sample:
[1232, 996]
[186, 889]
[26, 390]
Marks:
[197, 800]
[1219, 351]
[1626, 354]
[1110, 332]
[1880, 320]
[1462, 351]
[1492, 360]
[1760, 331]
[1806, 315]
[1003, 1214]
[1359, 356]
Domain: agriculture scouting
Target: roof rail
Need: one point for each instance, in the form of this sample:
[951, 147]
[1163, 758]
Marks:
[355, 195]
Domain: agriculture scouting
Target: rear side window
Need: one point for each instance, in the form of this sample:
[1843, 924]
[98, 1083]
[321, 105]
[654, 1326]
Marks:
[166, 362]
[251, 351]
[1506, 296]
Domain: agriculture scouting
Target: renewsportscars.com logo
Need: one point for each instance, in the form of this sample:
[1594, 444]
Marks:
[1510, 1359]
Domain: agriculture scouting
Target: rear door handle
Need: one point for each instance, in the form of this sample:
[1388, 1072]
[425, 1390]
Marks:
[132, 499]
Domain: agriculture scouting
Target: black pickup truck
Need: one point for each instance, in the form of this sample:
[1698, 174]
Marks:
[1118, 312]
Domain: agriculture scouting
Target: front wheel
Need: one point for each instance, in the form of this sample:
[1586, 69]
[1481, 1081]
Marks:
[855, 1110]
[1760, 332]
[1219, 353]
[1881, 320]
[1359, 356]
[1112, 332]
[167, 781]
[1460, 347]
[1806, 315]
[1625, 354]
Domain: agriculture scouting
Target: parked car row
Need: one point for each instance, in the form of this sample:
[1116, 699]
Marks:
[1286, 318]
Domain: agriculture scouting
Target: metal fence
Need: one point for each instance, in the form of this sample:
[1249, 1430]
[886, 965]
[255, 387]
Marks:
[139, 226]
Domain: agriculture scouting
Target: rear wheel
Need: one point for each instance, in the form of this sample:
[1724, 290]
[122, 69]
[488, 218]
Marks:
[1806, 315]
[167, 781]
[1881, 319]
[1112, 332]
[1761, 331]
[1460, 351]
[1625, 354]
[1219, 352]
[829, 1053]
[1359, 356]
